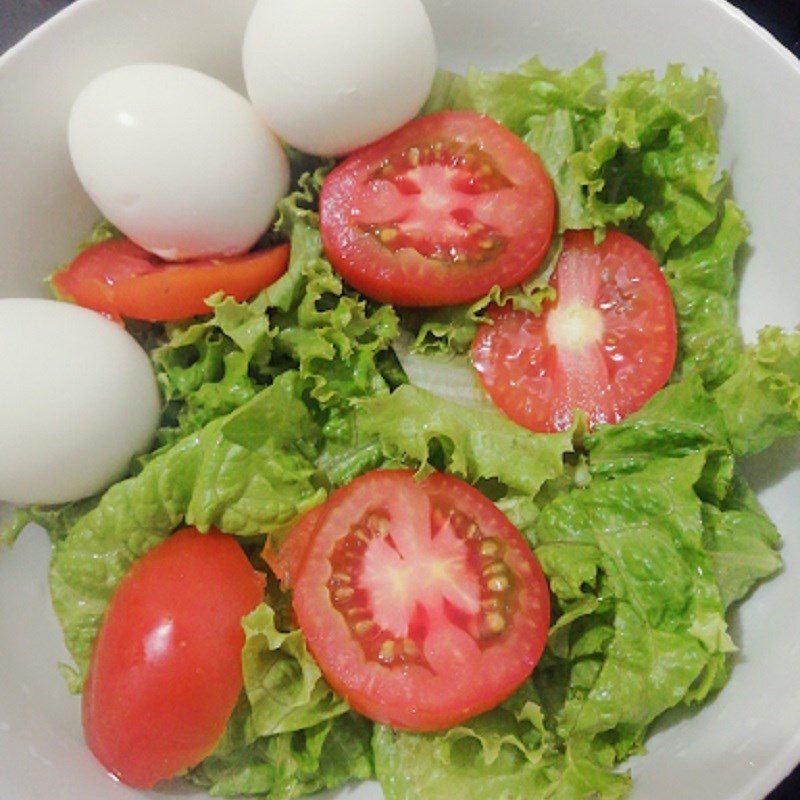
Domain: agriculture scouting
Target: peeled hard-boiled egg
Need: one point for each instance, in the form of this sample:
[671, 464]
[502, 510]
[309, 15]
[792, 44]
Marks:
[79, 400]
[329, 76]
[178, 161]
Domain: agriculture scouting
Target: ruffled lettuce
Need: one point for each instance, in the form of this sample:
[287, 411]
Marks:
[742, 542]
[287, 765]
[760, 400]
[506, 754]
[642, 625]
[686, 419]
[702, 279]
[416, 428]
[307, 321]
[283, 685]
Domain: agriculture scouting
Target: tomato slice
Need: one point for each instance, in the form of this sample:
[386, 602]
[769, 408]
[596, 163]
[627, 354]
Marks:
[120, 279]
[166, 667]
[605, 346]
[438, 212]
[420, 601]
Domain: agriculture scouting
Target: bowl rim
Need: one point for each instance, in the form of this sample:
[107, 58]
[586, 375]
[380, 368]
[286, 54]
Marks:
[786, 759]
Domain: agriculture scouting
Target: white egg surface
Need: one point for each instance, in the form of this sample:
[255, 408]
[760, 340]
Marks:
[332, 75]
[177, 160]
[79, 400]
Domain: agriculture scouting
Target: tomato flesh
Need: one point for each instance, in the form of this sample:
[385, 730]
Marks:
[438, 212]
[166, 667]
[605, 346]
[421, 602]
[120, 279]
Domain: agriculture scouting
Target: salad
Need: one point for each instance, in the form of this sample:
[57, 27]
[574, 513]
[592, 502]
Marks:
[444, 486]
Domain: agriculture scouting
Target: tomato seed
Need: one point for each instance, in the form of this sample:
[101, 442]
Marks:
[410, 649]
[495, 568]
[343, 593]
[378, 525]
[489, 547]
[498, 584]
[364, 627]
[496, 623]
[386, 654]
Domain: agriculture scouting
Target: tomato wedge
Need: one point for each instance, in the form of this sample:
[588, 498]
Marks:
[120, 279]
[420, 601]
[605, 346]
[438, 212]
[166, 668]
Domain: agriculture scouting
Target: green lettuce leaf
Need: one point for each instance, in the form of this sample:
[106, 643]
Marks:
[743, 548]
[420, 429]
[742, 541]
[512, 98]
[760, 401]
[703, 283]
[683, 419]
[448, 92]
[283, 684]
[645, 625]
[505, 754]
[248, 473]
[56, 520]
[680, 420]
[287, 765]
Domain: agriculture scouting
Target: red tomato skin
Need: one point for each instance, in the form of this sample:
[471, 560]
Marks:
[411, 697]
[286, 560]
[539, 386]
[120, 279]
[166, 670]
[407, 278]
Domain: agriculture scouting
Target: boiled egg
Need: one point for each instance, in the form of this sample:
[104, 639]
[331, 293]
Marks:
[79, 400]
[329, 76]
[177, 160]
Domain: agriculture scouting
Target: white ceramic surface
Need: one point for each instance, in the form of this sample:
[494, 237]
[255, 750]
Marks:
[747, 739]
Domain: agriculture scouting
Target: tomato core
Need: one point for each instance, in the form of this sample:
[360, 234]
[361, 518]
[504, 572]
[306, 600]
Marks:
[436, 191]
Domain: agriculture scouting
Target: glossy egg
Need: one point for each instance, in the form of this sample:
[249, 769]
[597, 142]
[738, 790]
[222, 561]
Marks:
[177, 160]
[329, 76]
[79, 400]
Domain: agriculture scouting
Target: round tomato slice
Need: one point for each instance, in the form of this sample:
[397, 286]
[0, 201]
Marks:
[120, 279]
[605, 346]
[438, 212]
[166, 667]
[420, 601]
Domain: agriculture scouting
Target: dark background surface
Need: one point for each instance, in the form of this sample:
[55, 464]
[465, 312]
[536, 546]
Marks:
[780, 17]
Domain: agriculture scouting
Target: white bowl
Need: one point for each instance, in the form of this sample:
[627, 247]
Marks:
[746, 740]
